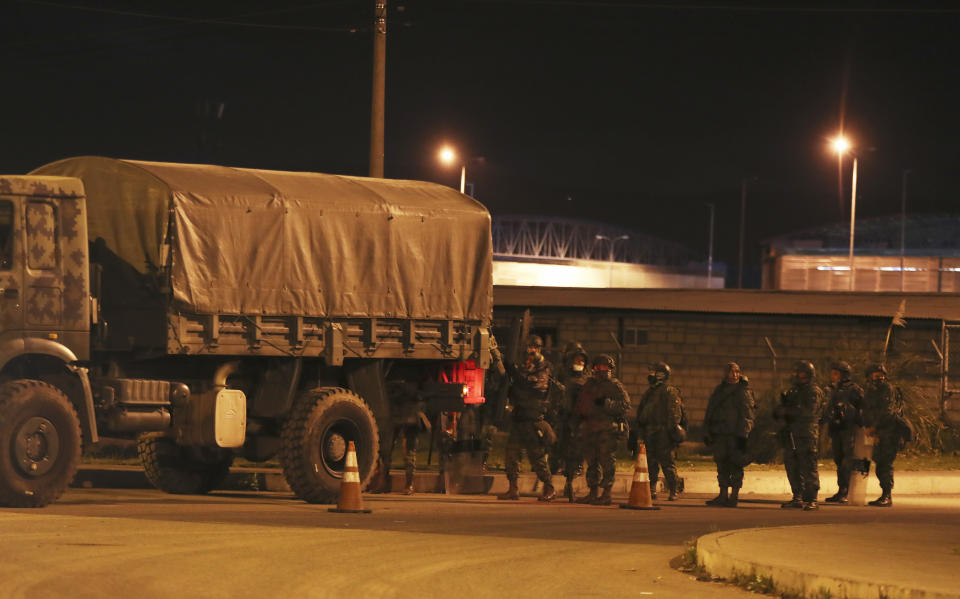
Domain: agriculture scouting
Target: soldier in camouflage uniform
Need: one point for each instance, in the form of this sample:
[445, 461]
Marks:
[658, 424]
[799, 412]
[573, 376]
[881, 413]
[530, 382]
[601, 412]
[408, 419]
[727, 424]
[843, 418]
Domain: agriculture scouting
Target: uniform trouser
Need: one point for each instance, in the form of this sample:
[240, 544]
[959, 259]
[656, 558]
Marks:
[555, 459]
[729, 461]
[524, 436]
[408, 434]
[884, 453]
[842, 442]
[800, 461]
[573, 453]
[660, 455]
[599, 448]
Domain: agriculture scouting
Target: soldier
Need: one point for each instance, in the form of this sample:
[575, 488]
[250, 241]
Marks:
[600, 412]
[843, 418]
[408, 419]
[881, 415]
[727, 424]
[568, 450]
[659, 418]
[799, 412]
[530, 382]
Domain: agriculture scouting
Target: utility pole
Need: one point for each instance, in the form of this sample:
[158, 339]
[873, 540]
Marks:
[743, 220]
[903, 222]
[379, 85]
[710, 251]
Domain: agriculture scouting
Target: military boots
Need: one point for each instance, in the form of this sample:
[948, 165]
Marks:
[796, 502]
[734, 497]
[885, 500]
[549, 494]
[511, 494]
[720, 500]
[568, 490]
[604, 498]
[408, 488]
[589, 497]
[385, 483]
[840, 497]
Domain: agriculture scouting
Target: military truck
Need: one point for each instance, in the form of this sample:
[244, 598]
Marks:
[215, 312]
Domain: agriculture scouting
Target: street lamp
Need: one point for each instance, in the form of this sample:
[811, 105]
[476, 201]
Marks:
[710, 249]
[841, 145]
[612, 240]
[744, 183]
[448, 156]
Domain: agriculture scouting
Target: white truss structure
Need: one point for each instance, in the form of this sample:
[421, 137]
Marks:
[560, 238]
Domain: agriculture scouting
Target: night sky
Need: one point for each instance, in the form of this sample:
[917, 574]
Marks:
[631, 113]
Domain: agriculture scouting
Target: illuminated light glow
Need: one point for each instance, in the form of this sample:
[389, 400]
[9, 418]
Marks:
[840, 144]
[447, 155]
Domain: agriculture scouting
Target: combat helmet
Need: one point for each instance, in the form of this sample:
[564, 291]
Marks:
[605, 360]
[662, 368]
[533, 341]
[573, 349]
[806, 367]
[876, 368]
[842, 367]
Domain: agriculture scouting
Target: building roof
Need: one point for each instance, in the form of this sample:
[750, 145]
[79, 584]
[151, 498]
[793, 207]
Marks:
[737, 301]
[925, 234]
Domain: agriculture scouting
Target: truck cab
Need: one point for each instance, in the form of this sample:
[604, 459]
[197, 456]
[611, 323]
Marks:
[44, 336]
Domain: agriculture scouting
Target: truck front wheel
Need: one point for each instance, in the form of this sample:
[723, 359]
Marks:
[315, 439]
[39, 443]
[182, 470]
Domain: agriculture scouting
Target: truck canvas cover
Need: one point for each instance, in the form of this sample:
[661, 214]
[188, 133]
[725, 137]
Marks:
[263, 242]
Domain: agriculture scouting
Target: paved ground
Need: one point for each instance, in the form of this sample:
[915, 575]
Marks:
[915, 561]
[99, 542]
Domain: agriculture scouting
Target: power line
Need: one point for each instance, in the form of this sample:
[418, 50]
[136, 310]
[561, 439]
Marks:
[760, 8]
[224, 21]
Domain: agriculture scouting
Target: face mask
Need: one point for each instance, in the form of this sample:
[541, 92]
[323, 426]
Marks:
[652, 379]
[578, 367]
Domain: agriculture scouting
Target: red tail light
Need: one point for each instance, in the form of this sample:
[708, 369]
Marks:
[471, 376]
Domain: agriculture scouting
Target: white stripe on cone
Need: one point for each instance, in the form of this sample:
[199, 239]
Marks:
[641, 477]
[351, 477]
[352, 460]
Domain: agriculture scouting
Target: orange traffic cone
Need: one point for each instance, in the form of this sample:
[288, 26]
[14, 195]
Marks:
[350, 501]
[640, 489]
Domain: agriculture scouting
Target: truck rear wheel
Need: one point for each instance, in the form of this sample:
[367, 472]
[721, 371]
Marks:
[40, 447]
[182, 470]
[315, 438]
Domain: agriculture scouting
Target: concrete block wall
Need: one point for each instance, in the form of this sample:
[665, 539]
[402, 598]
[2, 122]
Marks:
[698, 345]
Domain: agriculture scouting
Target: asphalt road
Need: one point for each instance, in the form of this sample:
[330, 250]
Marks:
[137, 543]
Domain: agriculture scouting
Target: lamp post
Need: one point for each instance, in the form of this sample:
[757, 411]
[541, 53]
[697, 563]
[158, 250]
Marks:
[448, 156]
[903, 221]
[744, 183]
[841, 145]
[710, 249]
[612, 240]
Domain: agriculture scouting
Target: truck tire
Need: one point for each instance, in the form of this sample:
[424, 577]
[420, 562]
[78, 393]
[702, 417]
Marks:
[315, 438]
[40, 447]
[181, 470]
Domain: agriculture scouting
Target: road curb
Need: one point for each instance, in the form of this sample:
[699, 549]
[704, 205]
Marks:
[713, 557]
[701, 482]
